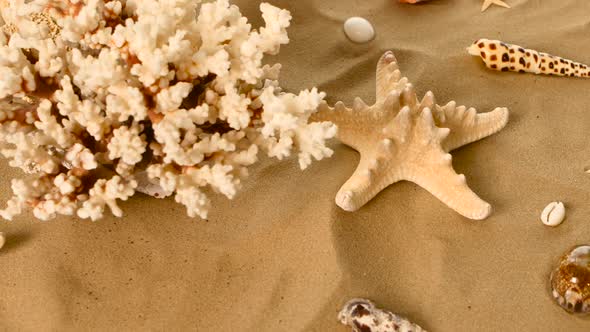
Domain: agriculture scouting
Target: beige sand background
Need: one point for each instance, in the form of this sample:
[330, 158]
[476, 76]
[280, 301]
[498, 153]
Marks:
[283, 257]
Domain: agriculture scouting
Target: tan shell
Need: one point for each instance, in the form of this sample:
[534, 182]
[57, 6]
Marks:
[501, 56]
[570, 281]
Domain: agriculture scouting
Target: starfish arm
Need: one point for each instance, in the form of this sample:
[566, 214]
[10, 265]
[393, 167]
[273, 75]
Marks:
[501, 3]
[440, 179]
[371, 176]
[488, 3]
[389, 77]
[467, 125]
[356, 125]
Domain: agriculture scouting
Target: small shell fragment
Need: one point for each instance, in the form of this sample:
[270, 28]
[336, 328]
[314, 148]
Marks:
[570, 281]
[2, 240]
[363, 316]
[553, 214]
[149, 187]
[359, 30]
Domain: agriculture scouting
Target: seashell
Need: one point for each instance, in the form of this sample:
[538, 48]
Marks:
[570, 281]
[2, 240]
[363, 316]
[359, 30]
[149, 187]
[501, 56]
[553, 214]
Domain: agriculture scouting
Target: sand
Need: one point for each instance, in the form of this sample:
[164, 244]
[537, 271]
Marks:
[284, 257]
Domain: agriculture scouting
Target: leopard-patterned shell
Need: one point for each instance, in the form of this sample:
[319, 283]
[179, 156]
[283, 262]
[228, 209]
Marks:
[501, 56]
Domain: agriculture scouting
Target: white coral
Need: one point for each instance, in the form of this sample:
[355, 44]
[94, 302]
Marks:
[105, 193]
[67, 184]
[127, 144]
[48, 124]
[16, 72]
[172, 94]
[286, 124]
[80, 157]
[124, 102]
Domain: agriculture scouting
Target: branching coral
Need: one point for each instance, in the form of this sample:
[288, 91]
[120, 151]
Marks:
[101, 98]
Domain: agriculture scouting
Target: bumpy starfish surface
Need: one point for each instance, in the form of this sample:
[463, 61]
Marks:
[488, 3]
[402, 138]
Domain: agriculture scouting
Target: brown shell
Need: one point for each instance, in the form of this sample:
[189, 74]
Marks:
[570, 281]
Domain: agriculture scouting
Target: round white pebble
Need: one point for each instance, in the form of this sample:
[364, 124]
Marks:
[359, 30]
[2, 240]
[553, 214]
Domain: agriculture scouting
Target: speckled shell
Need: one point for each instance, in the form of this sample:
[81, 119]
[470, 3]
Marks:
[501, 56]
[570, 281]
[362, 316]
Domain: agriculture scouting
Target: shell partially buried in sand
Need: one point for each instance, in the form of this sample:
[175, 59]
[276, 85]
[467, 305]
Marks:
[570, 282]
[362, 316]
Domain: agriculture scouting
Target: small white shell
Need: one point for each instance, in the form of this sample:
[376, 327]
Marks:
[149, 187]
[2, 240]
[359, 30]
[553, 214]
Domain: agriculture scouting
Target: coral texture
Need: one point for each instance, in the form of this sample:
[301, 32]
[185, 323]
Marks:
[363, 316]
[501, 56]
[402, 138]
[98, 96]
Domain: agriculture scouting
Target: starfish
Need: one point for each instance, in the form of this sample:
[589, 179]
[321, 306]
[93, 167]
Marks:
[402, 138]
[488, 3]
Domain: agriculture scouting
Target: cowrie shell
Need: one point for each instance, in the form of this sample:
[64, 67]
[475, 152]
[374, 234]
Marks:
[2, 240]
[553, 214]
